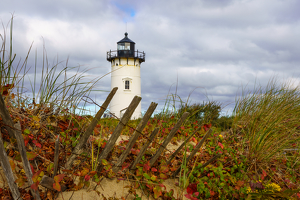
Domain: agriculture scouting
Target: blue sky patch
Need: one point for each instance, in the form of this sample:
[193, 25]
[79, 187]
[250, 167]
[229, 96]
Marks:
[127, 9]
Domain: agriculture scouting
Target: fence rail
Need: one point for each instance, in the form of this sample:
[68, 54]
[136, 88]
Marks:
[14, 131]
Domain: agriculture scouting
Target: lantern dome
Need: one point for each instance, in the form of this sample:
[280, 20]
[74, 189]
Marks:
[126, 39]
[126, 49]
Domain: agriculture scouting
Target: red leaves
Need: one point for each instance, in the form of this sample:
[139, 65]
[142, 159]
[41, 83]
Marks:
[192, 192]
[206, 127]
[135, 151]
[194, 140]
[163, 169]
[107, 166]
[146, 166]
[87, 177]
[220, 145]
[157, 192]
[264, 174]
[173, 168]
[57, 179]
[29, 137]
[26, 140]
[36, 178]
[192, 188]
[125, 166]
[63, 125]
[34, 186]
[139, 172]
[239, 184]
[32, 169]
[191, 196]
[57, 186]
[96, 130]
[36, 143]
[92, 173]
[153, 178]
[4, 89]
[153, 169]
[162, 186]
[103, 145]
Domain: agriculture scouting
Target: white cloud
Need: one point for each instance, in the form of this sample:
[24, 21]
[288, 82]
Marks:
[215, 46]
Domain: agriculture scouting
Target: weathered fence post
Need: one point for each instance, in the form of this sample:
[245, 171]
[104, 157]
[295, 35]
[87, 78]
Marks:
[8, 171]
[112, 140]
[168, 138]
[198, 146]
[181, 146]
[83, 139]
[135, 136]
[6, 118]
[144, 148]
[56, 155]
[26, 164]
[20, 143]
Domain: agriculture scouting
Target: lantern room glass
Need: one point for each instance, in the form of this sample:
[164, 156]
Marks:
[124, 46]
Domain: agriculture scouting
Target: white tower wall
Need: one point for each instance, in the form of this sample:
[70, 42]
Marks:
[125, 69]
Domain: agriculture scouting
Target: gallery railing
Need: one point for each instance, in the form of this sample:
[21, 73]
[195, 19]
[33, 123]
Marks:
[125, 54]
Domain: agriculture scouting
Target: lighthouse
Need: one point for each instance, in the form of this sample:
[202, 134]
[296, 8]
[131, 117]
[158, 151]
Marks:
[126, 75]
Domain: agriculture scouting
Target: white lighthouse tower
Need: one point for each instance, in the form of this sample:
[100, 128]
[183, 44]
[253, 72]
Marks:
[126, 75]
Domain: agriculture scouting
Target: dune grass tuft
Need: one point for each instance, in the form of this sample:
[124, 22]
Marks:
[268, 119]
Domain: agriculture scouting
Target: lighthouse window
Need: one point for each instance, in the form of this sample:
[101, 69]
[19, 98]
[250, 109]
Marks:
[127, 46]
[121, 46]
[126, 85]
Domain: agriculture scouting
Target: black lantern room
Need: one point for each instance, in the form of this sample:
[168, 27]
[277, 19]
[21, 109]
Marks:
[126, 49]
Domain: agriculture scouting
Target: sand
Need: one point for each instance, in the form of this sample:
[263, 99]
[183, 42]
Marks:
[110, 188]
[113, 189]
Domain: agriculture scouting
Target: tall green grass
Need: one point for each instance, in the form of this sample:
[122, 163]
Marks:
[9, 74]
[59, 87]
[268, 118]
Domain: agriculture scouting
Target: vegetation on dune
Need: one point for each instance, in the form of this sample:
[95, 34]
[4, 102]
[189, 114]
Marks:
[269, 120]
[257, 147]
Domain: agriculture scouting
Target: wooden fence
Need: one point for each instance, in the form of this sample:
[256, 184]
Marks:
[15, 132]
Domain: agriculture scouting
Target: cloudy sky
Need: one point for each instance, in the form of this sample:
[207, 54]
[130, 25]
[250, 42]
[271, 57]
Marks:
[211, 47]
